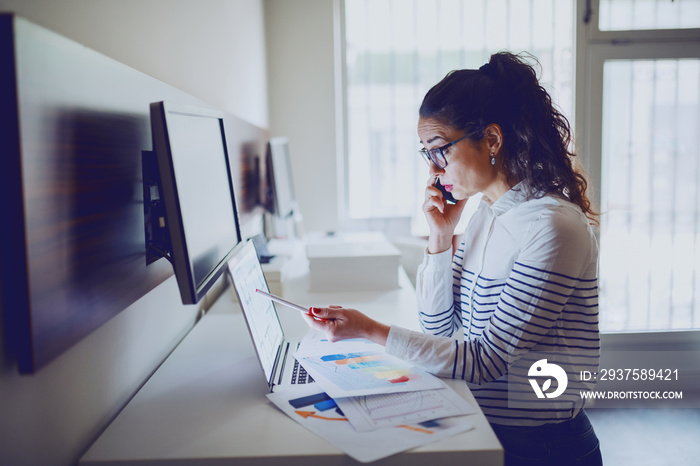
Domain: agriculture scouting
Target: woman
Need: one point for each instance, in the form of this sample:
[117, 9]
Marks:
[522, 285]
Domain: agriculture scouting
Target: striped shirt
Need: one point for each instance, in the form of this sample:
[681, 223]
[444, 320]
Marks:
[522, 287]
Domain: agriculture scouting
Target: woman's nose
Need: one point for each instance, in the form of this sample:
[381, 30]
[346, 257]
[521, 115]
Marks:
[435, 170]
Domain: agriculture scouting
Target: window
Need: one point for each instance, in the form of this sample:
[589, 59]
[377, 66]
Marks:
[634, 15]
[395, 50]
[651, 181]
[643, 104]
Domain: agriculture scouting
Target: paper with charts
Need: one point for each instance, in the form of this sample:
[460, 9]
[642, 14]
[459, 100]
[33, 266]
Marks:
[316, 411]
[364, 369]
[371, 412]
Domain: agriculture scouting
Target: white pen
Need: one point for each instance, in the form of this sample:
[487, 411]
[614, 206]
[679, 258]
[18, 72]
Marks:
[277, 299]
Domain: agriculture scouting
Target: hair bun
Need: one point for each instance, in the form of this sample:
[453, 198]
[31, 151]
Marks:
[487, 69]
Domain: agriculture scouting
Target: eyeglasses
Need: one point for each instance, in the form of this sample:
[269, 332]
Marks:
[437, 154]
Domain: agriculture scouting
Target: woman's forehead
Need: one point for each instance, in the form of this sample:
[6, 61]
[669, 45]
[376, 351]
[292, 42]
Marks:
[431, 130]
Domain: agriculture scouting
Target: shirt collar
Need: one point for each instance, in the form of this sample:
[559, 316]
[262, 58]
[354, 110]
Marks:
[515, 196]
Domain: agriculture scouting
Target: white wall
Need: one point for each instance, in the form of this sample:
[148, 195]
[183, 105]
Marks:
[300, 63]
[214, 50]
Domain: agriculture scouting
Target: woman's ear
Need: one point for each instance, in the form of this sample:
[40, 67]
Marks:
[493, 137]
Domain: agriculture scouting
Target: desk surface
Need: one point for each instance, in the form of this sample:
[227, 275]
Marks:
[206, 404]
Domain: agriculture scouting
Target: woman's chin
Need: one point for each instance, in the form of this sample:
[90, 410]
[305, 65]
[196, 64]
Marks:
[460, 194]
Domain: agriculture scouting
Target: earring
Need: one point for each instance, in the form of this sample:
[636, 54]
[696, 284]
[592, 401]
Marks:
[493, 158]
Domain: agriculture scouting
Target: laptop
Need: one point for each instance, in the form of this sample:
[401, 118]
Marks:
[274, 352]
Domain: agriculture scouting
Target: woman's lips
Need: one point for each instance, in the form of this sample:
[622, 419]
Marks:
[448, 188]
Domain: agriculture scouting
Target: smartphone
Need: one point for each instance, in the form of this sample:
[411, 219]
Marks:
[445, 194]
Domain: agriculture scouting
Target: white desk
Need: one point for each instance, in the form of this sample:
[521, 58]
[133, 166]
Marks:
[206, 404]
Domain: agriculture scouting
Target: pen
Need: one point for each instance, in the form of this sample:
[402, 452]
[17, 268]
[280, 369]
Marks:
[277, 299]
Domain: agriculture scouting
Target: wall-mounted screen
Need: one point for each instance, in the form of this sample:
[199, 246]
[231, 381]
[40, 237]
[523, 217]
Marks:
[281, 196]
[197, 192]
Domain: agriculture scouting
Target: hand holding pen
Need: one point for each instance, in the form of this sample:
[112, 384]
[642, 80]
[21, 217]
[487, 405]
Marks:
[340, 323]
[284, 302]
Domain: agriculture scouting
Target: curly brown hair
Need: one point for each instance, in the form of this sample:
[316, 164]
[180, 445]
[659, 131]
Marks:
[536, 135]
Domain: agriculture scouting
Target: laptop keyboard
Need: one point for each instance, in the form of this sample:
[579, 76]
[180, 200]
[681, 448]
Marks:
[299, 374]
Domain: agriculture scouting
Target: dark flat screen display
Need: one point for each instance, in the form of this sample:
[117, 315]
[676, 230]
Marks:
[282, 180]
[197, 191]
[206, 207]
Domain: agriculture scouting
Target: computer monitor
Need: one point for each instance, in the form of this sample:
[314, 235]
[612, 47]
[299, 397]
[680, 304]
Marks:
[197, 192]
[281, 196]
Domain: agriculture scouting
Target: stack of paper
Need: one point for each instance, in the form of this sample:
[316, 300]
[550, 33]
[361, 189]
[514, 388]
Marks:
[370, 404]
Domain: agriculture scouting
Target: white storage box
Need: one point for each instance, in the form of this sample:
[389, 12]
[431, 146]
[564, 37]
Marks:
[274, 275]
[346, 265]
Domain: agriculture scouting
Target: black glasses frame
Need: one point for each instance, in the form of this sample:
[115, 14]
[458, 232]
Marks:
[436, 155]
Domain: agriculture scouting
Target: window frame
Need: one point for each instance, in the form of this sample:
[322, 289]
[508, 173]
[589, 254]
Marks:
[593, 48]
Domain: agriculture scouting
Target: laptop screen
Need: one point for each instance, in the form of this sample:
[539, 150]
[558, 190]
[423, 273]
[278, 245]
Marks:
[260, 314]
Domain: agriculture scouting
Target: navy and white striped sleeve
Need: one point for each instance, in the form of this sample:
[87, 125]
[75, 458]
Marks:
[437, 313]
[546, 301]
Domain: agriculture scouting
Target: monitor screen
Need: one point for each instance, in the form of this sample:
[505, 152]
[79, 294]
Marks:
[280, 178]
[197, 191]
